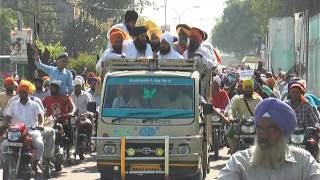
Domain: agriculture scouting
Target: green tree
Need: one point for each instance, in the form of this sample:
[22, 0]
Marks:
[8, 20]
[83, 62]
[236, 29]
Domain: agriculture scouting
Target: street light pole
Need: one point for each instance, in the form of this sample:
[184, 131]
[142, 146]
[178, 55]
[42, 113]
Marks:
[165, 12]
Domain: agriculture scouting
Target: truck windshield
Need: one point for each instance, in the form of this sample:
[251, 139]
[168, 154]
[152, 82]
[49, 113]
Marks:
[149, 97]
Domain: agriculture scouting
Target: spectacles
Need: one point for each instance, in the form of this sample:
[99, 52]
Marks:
[268, 129]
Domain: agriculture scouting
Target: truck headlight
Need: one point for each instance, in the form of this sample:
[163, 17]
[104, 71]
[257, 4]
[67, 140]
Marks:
[131, 152]
[159, 151]
[297, 138]
[109, 149]
[248, 129]
[184, 149]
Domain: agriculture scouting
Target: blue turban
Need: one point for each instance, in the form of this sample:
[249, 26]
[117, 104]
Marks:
[280, 113]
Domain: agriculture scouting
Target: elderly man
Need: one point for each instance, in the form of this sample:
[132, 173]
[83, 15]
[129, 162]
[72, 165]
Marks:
[115, 52]
[271, 157]
[166, 48]
[30, 113]
[183, 32]
[60, 72]
[154, 35]
[138, 47]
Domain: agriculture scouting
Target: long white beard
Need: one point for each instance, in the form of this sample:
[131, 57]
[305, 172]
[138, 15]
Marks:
[270, 158]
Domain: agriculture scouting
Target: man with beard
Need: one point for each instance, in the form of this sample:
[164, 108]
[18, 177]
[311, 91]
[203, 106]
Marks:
[166, 50]
[183, 32]
[115, 52]
[243, 106]
[271, 157]
[130, 20]
[138, 47]
[154, 35]
[201, 54]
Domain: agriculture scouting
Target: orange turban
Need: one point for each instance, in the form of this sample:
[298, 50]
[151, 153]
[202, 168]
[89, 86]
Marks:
[90, 75]
[23, 87]
[198, 34]
[116, 36]
[113, 30]
[44, 78]
[9, 81]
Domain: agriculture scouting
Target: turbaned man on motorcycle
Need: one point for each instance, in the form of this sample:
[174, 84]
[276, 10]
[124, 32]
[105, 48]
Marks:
[60, 107]
[30, 113]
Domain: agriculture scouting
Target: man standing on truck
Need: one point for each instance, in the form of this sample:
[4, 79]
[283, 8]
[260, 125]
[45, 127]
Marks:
[138, 47]
[114, 52]
[183, 32]
[166, 48]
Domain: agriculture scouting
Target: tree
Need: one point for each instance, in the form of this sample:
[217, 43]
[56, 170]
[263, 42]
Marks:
[236, 30]
[8, 19]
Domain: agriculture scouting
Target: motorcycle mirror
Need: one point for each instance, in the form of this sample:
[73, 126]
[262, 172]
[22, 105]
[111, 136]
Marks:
[207, 108]
[92, 107]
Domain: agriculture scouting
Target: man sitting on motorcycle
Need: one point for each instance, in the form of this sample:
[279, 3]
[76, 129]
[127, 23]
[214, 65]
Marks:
[81, 99]
[29, 112]
[60, 107]
[244, 106]
[306, 115]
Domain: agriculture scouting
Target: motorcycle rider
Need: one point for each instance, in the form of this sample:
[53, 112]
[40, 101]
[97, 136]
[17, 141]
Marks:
[61, 107]
[240, 109]
[306, 114]
[29, 112]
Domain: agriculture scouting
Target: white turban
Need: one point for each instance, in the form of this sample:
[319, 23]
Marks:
[217, 79]
[78, 81]
[168, 38]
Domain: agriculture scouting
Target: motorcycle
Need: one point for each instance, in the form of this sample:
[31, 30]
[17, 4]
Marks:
[307, 139]
[245, 132]
[218, 136]
[18, 153]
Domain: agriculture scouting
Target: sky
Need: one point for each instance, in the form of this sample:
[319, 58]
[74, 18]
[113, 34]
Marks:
[198, 13]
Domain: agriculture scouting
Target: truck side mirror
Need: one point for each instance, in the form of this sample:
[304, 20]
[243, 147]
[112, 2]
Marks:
[92, 107]
[207, 108]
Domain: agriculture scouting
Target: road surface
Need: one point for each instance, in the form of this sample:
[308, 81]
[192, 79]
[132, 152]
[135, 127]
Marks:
[87, 170]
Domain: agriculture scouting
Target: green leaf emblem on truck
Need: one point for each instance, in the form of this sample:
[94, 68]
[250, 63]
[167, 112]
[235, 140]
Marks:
[148, 94]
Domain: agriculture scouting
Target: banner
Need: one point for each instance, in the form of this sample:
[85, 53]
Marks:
[19, 40]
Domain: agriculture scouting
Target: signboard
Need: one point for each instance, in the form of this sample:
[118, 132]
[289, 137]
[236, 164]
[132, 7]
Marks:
[19, 40]
[246, 73]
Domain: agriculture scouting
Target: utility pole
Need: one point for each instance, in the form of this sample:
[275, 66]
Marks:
[165, 12]
[20, 15]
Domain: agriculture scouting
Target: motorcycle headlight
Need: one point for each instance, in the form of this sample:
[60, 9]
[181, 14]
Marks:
[109, 149]
[215, 119]
[297, 138]
[14, 136]
[248, 129]
[184, 149]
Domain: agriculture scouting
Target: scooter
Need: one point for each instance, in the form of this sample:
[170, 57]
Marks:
[18, 153]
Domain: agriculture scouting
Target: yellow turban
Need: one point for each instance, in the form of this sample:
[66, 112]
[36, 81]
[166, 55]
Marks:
[32, 87]
[247, 82]
[155, 31]
[150, 24]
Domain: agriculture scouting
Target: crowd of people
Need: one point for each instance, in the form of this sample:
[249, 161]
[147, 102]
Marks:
[278, 103]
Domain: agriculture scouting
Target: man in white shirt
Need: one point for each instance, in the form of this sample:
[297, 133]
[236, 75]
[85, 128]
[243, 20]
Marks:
[80, 97]
[30, 113]
[138, 47]
[114, 52]
[166, 48]
[271, 157]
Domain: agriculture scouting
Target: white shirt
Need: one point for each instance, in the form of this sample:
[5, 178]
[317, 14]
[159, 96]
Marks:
[81, 101]
[173, 54]
[16, 97]
[298, 165]
[27, 113]
[108, 54]
[131, 52]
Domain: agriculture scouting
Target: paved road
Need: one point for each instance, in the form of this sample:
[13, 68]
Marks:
[87, 170]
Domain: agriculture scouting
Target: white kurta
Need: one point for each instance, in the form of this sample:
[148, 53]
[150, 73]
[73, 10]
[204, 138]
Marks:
[131, 52]
[173, 54]
[108, 54]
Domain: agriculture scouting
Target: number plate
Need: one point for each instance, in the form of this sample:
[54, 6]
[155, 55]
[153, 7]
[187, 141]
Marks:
[245, 136]
[300, 146]
[14, 144]
[142, 167]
